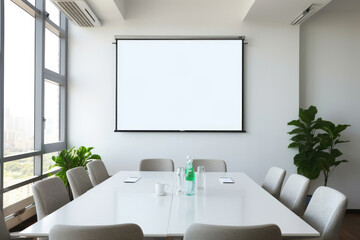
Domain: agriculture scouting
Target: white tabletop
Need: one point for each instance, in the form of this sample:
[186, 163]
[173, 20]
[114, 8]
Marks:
[115, 202]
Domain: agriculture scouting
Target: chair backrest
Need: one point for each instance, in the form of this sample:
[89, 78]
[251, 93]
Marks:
[293, 195]
[49, 195]
[79, 181]
[4, 232]
[273, 181]
[105, 232]
[157, 164]
[215, 232]
[325, 212]
[211, 165]
[97, 172]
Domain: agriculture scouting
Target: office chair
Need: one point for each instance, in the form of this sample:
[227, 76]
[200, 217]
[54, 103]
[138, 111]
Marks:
[104, 232]
[326, 211]
[49, 195]
[211, 165]
[273, 181]
[293, 195]
[97, 172]
[216, 232]
[157, 164]
[79, 181]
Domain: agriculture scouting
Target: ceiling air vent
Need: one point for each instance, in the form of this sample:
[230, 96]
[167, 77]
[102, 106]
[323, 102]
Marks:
[78, 12]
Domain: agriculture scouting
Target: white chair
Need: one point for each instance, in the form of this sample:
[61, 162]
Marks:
[325, 212]
[105, 232]
[273, 181]
[79, 181]
[49, 195]
[97, 172]
[293, 195]
[211, 165]
[215, 232]
[157, 164]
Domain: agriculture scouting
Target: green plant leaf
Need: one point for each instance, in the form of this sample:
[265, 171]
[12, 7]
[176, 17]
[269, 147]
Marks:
[340, 141]
[339, 128]
[71, 158]
[298, 138]
[336, 153]
[341, 161]
[295, 145]
[296, 130]
[296, 123]
[95, 156]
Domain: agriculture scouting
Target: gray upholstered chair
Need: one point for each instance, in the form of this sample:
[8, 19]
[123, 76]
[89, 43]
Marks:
[325, 212]
[211, 165]
[273, 181]
[79, 181]
[97, 172]
[4, 232]
[157, 164]
[215, 232]
[105, 232]
[49, 195]
[293, 195]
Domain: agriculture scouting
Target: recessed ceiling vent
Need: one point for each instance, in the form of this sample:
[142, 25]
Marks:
[78, 12]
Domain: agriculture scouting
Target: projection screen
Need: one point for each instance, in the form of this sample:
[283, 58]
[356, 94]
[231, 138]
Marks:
[179, 84]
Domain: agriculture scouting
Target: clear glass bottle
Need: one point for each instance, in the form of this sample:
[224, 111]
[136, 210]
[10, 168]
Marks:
[189, 178]
[200, 178]
[180, 177]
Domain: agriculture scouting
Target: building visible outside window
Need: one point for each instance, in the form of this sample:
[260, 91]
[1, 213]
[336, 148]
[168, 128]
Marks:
[34, 85]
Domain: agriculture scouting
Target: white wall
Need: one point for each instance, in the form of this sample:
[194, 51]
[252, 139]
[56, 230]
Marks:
[271, 96]
[330, 80]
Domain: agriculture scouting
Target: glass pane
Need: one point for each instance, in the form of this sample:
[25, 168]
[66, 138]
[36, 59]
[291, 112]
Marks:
[52, 112]
[54, 13]
[19, 80]
[17, 195]
[52, 51]
[47, 161]
[17, 171]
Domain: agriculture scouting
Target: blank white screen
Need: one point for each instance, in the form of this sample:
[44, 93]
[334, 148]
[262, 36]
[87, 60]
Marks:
[179, 85]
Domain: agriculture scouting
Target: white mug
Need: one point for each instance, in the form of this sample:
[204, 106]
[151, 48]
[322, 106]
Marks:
[161, 188]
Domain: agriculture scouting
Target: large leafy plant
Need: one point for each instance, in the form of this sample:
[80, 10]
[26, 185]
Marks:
[317, 141]
[71, 158]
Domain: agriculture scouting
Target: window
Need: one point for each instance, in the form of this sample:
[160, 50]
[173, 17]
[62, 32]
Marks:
[52, 112]
[18, 80]
[18, 171]
[54, 13]
[52, 49]
[47, 161]
[14, 196]
[32, 91]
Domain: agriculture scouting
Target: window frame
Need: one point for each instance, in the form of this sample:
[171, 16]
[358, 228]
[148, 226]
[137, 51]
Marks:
[42, 21]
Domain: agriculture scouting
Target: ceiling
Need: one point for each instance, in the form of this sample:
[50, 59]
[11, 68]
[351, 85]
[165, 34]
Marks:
[282, 11]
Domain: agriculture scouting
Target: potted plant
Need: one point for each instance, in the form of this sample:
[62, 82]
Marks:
[317, 141]
[71, 158]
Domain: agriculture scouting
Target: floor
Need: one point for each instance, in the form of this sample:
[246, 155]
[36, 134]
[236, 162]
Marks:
[350, 228]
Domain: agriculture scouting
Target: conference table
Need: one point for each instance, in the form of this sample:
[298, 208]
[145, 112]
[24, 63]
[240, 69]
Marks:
[242, 203]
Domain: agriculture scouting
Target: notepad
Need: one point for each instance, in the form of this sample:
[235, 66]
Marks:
[226, 180]
[131, 179]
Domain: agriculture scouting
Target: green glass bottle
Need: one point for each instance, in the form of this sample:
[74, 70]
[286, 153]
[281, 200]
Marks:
[189, 178]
